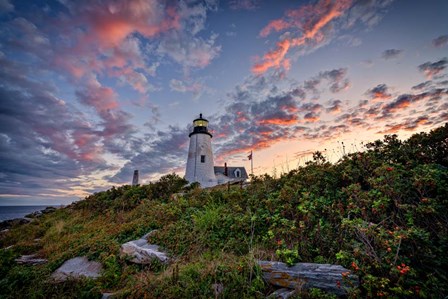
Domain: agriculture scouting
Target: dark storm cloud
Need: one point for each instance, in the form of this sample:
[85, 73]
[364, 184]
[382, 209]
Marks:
[440, 41]
[431, 69]
[391, 54]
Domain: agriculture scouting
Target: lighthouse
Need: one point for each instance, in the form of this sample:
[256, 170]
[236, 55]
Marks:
[200, 166]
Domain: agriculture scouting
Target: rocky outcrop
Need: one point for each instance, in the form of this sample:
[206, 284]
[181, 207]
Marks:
[141, 252]
[39, 213]
[6, 224]
[282, 293]
[76, 268]
[31, 260]
[330, 278]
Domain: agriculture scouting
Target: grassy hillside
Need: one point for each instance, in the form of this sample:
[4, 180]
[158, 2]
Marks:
[381, 213]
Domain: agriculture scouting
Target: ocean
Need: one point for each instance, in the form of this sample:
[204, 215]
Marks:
[12, 212]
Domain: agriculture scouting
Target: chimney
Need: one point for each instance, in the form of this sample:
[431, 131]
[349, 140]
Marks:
[135, 178]
[225, 169]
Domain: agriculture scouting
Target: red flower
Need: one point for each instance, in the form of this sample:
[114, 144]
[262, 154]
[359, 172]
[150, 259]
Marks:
[403, 269]
[354, 266]
[389, 168]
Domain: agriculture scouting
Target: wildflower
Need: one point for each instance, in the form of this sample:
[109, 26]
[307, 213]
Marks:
[338, 284]
[389, 168]
[354, 266]
[403, 269]
[389, 249]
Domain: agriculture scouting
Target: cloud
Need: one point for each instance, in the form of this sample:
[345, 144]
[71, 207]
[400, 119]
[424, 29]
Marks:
[379, 92]
[336, 80]
[440, 41]
[391, 54]
[195, 88]
[309, 24]
[166, 152]
[112, 23]
[182, 86]
[409, 125]
[244, 4]
[104, 101]
[422, 85]
[122, 39]
[191, 52]
[431, 69]
[44, 142]
[367, 12]
[6, 6]
[335, 106]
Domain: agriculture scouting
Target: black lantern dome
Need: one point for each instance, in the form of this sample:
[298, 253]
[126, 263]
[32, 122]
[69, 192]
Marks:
[200, 126]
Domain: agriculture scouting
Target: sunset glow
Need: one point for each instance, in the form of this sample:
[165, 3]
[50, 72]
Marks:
[92, 90]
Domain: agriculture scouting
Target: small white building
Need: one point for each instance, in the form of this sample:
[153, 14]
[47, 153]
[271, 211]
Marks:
[226, 174]
[200, 165]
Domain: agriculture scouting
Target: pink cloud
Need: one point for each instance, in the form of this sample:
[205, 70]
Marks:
[111, 26]
[309, 20]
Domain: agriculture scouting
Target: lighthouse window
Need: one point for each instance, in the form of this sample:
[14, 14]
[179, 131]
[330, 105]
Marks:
[202, 158]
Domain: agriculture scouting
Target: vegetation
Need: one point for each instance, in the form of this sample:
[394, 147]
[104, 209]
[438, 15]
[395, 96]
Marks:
[380, 213]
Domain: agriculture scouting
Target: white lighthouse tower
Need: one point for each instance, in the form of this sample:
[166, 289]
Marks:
[200, 166]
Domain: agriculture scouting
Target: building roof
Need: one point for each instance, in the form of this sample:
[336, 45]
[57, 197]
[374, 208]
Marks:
[231, 171]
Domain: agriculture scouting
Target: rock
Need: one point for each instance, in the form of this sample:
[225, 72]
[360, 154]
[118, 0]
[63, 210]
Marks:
[326, 277]
[13, 222]
[76, 268]
[30, 260]
[39, 213]
[282, 293]
[141, 252]
[107, 295]
[34, 214]
[48, 210]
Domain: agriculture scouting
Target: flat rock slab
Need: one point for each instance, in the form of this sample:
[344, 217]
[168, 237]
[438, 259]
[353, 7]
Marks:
[282, 293]
[76, 268]
[326, 277]
[31, 259]
[141, 252]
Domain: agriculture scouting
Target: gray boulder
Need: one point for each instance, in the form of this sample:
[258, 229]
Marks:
[327, 277]
[31, 260]
[76, 268]
[141, 252]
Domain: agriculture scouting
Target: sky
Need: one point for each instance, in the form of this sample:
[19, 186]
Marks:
[91, 90]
